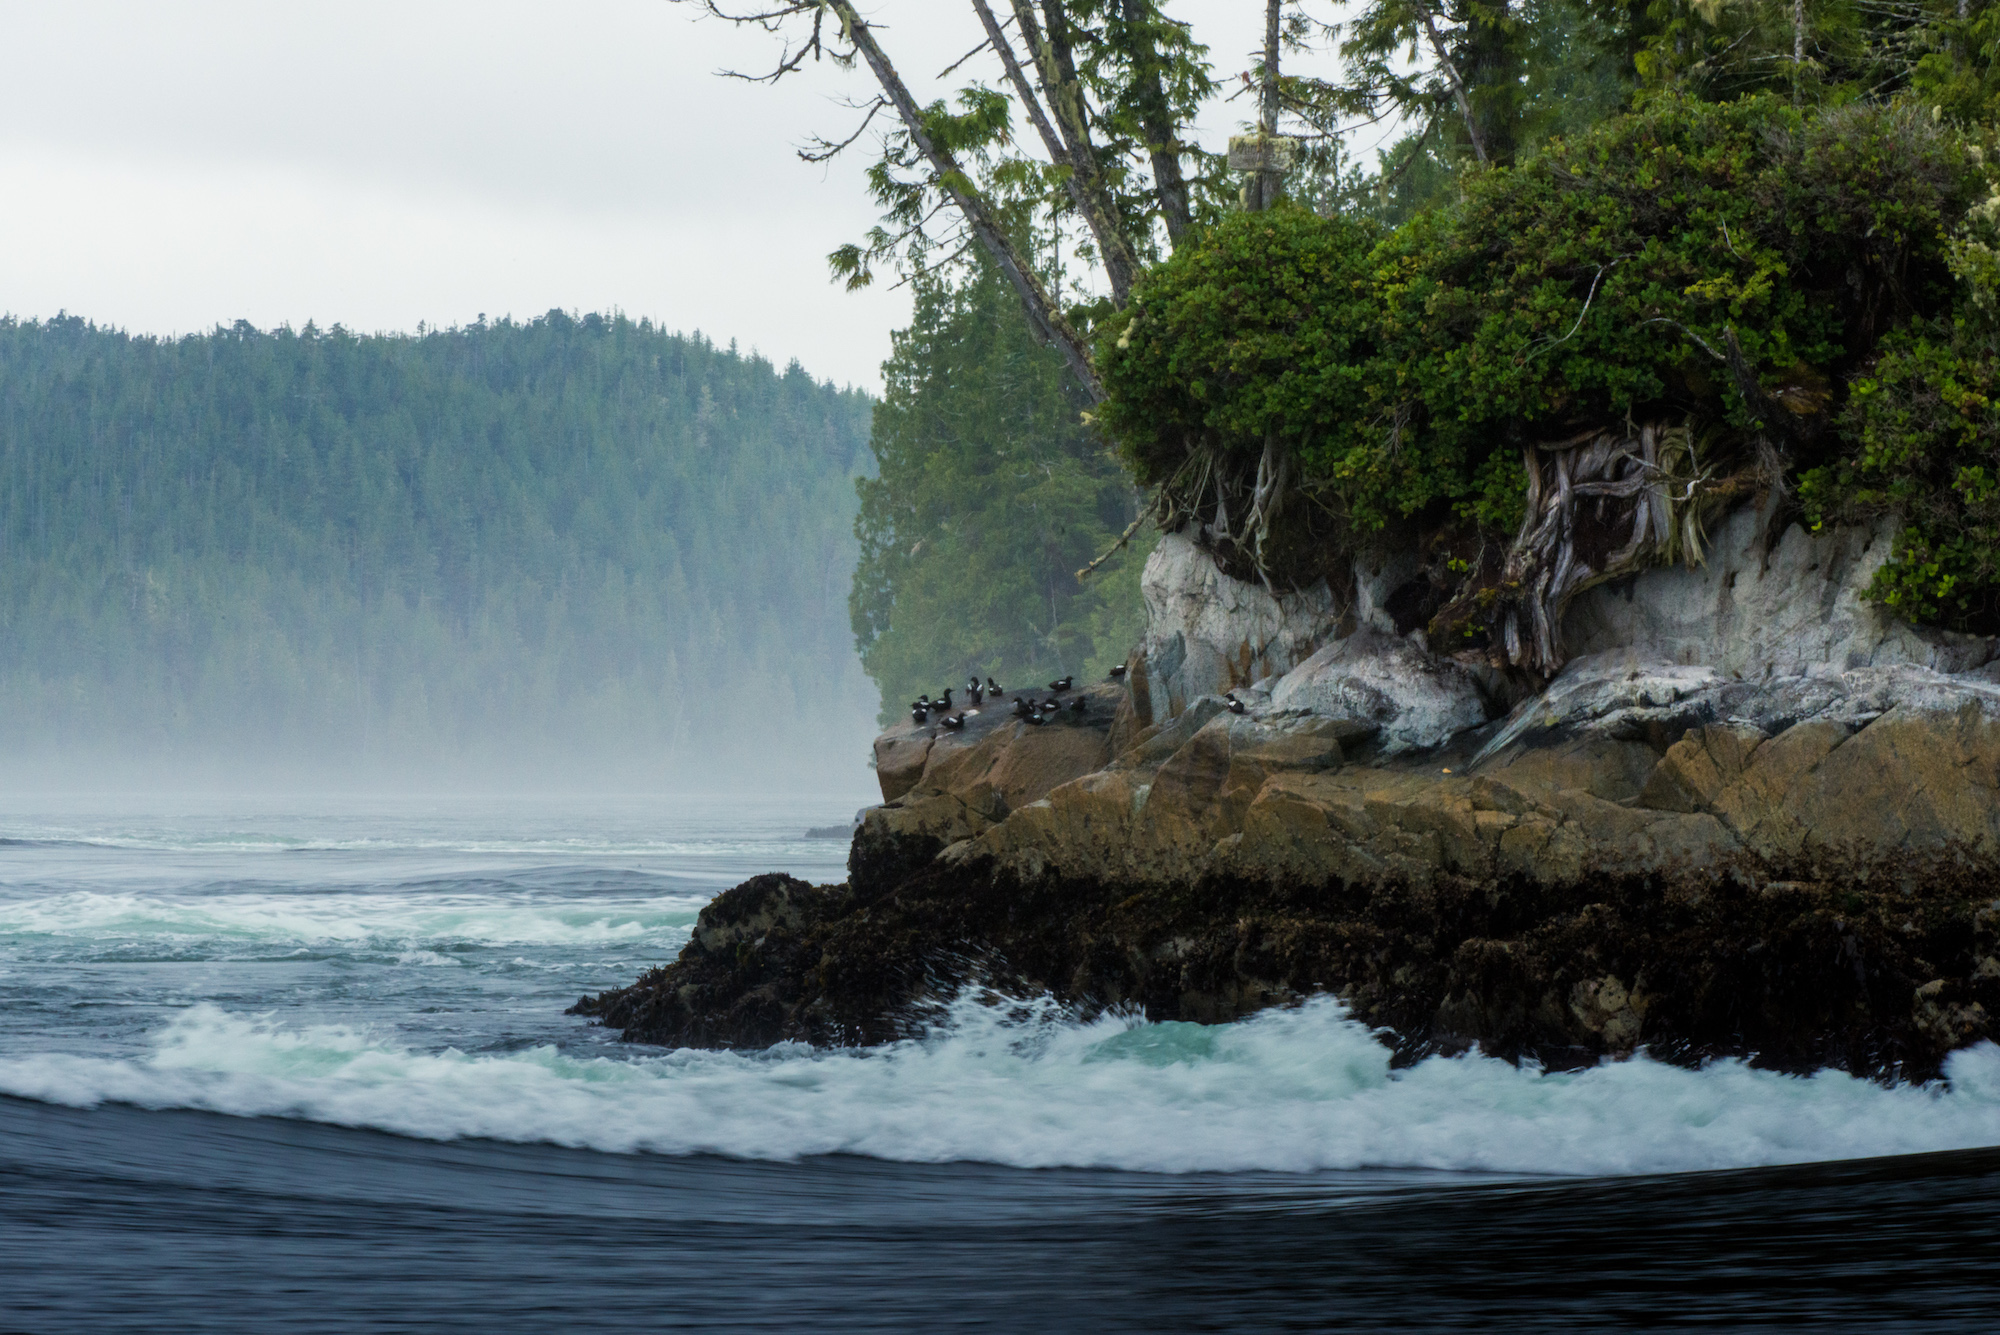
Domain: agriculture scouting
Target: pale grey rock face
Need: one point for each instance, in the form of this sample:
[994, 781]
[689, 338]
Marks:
[1372, 587]
[1207, 633]
[1414, 699]
[1612, 695]
[1749, 612]
[1764, 632]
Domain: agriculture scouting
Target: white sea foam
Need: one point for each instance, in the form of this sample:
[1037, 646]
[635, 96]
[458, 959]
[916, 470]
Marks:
[346, 919]
[1291, 1090]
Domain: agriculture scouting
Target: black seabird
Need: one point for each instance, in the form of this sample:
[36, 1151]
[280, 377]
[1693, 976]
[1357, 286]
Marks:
[1061, 685]
[1034, 719]
[972, 692]
[956, 721]
[1022, 708]
[1235, 705]
[919, 715]
[1050, 706]
[1078, 706]
[993, 687]
[923, 701]
[1118, 672]
[945, 702]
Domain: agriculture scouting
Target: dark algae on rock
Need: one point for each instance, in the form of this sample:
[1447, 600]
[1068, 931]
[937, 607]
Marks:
[1797, 871]
[1862, 973]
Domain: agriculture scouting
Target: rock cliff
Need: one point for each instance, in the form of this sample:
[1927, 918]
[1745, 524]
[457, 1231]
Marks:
[1753, 816]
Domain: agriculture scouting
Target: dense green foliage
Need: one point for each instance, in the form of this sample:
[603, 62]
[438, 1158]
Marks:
[1747, 225]
[1922, 418]
[1601, 281]
[990, 493]
[1536, 71]
[1268, 325]
[563, 550]
[1926, 447]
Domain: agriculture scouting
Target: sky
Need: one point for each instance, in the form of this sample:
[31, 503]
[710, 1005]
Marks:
[171, 167]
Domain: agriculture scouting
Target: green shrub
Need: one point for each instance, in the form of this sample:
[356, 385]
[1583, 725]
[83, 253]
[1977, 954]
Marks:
[1266, 326]
[1600, 283]
[1926, 445]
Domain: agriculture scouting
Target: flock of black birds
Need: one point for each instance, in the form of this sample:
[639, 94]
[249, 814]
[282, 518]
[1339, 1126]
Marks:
[1035, 714]
[1029, 711]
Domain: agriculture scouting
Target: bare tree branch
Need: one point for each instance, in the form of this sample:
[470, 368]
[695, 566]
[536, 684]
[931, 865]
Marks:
[770, 20]
[1085, 190]
[1058, 151]
[822, 150]
[1049, 46]
[1043, 313]
[1163, 146]
[1451, 73]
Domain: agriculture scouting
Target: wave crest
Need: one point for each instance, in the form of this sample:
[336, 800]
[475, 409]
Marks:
[1029, 1085]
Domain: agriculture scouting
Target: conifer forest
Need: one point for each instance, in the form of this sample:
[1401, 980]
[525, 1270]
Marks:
[576, 547]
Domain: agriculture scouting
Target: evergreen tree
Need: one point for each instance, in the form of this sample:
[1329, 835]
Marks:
[991, 491]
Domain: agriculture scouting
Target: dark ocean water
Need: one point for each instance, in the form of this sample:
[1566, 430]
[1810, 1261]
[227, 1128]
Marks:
[304, 1067]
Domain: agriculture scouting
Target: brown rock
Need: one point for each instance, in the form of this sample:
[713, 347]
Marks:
[898, 838]
[1819, 896]
[900, 756]
[1907, 781]
[1758, 806]
[1699, 766]
[1601, 766]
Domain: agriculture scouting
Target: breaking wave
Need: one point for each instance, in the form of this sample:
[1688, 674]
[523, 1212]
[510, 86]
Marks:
[1030, 1086]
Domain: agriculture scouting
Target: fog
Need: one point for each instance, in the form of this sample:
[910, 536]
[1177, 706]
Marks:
[561, 552]
[191, 608]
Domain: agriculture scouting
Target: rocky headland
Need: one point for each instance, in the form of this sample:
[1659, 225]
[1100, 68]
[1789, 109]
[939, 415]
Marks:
[1753, 815]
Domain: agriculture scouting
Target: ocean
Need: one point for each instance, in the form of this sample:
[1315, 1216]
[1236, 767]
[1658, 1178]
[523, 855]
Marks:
[302, 1064]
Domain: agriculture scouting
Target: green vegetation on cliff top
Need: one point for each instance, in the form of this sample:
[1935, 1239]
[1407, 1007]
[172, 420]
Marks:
[1599, 283]
[1806, 292]
[1752, 241]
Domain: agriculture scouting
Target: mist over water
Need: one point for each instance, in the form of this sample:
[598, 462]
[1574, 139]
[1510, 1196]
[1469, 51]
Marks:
[563, 554]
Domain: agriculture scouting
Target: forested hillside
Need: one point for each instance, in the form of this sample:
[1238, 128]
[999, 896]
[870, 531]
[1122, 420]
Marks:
[560, 551]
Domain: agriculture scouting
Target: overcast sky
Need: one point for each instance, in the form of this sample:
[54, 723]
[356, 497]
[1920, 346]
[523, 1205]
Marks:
[174, 164]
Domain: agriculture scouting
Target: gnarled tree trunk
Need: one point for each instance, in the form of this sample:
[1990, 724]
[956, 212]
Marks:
[1601, 504]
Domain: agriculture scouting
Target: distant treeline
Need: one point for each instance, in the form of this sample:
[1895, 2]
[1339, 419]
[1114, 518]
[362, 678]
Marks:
[565, 550]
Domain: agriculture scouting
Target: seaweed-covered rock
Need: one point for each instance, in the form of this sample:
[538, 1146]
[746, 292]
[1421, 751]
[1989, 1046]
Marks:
[735, 984]
[1795, 865]
[1818, 894]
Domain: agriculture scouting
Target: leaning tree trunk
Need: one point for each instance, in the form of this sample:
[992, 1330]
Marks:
[1600, 505]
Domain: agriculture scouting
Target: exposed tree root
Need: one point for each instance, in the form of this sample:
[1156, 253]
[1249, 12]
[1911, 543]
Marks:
[1601, 504]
